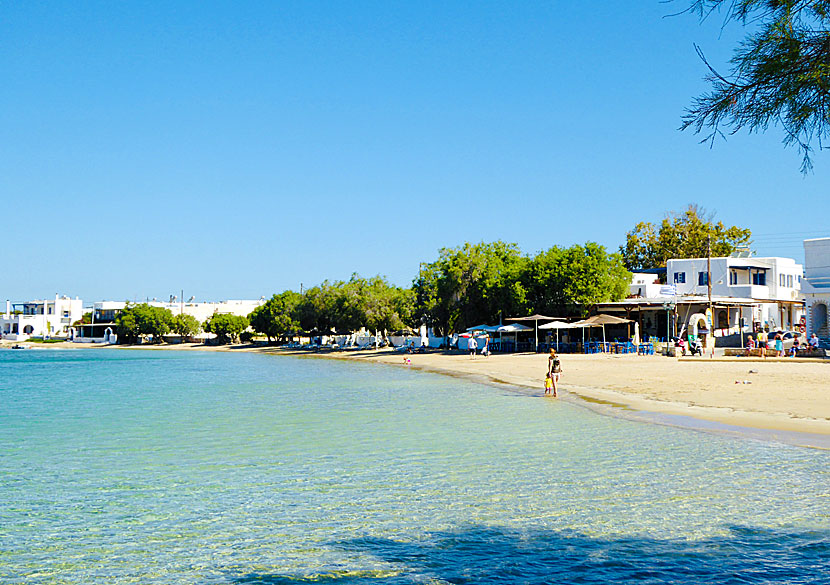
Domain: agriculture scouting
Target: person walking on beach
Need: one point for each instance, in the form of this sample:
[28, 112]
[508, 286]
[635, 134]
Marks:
[473, 346]
[554, 370]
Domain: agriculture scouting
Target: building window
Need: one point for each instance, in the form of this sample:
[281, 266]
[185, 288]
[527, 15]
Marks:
[680, 277]
[759, 278]
[702, 278]
[733, 277]
[790, 280]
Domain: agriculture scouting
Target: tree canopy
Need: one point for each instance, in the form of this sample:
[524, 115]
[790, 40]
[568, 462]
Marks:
[226, 327]
[359, 302]
[565, 282]
[278, 316]
[138, 320]
[680, 235]
[471, 284]
[185, 325]
[483, 283]
[780, 73]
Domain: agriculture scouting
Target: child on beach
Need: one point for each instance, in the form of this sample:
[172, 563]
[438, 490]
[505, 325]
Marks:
[549, 386]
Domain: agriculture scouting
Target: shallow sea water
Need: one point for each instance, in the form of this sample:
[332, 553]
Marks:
[132, 466]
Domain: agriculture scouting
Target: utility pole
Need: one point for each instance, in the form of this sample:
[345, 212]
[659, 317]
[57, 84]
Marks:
[709, 287]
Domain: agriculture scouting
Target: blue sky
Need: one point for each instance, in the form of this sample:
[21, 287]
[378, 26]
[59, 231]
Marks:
[237, 149]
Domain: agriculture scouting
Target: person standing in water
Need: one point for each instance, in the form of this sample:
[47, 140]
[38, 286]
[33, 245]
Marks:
[554, 370]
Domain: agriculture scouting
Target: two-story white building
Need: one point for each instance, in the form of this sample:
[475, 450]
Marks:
[772, 285]
[747, 294]
[816, 287]
[40, 318]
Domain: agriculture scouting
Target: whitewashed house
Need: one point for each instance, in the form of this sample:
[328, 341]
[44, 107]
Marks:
[748, 293]
[772, 285]
[816, 287]
[40, 318]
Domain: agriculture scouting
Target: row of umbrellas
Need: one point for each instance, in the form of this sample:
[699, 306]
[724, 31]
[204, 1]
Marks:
[595, 321]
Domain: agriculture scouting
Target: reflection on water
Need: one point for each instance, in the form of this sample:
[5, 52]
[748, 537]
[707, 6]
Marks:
[161, 467]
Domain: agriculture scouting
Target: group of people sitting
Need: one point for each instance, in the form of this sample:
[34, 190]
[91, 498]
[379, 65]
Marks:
[776, 345]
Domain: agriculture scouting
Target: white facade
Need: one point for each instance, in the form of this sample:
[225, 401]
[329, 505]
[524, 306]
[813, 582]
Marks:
[816, 286]
[40, 318]
[644, 285]
[773, 283]
[107, 310]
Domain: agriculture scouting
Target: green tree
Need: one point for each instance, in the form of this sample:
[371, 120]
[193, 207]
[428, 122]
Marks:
[680, 235]
[469, 285]
[226, 327]
[139, 320]
[316, 310]
[85, 319]
[780, 73]
[185, 325]
[564, 282]
[277, 317]
[377, 305]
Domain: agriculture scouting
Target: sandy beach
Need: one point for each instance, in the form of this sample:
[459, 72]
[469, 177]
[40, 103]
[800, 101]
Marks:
[774, 394]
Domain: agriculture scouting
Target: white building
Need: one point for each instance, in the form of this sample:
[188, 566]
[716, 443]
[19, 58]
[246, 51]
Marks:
[645, 285]
[816, 286]
[40, 318]
[104, 313]
[747, 294]
[772, 285]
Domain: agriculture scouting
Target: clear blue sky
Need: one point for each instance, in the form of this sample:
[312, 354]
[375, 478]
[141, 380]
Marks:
[236, 149]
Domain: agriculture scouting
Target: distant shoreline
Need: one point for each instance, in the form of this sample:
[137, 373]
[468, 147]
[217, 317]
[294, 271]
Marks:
[780, 398]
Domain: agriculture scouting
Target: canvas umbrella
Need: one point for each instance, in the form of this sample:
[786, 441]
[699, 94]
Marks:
[512, 328]
[535, 318]
[485, 328]
[557, 325]
[601, 321]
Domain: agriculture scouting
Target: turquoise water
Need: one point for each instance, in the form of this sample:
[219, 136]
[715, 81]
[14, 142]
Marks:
[124, 466]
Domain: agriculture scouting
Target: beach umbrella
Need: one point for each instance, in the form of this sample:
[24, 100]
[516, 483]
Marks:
[557, 325]
[513, 328]
[485, 328]
[602, 320]
[535, 318]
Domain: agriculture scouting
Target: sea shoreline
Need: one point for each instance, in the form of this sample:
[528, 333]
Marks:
[775, 399]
